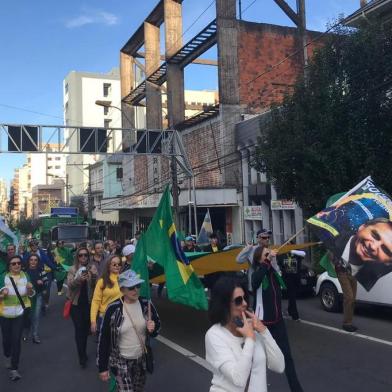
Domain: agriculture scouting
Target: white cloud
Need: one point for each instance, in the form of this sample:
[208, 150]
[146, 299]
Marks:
[92, 17]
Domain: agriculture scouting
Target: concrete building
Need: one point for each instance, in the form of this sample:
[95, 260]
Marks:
[44, 197]
[25, 195]
[39, 169]
[14, 196]
[251, 77]
[3, 198]
[81, 91]
[262, 206]
[369, 11]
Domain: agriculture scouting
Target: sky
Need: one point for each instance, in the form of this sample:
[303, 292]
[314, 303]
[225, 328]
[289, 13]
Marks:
[42, 41]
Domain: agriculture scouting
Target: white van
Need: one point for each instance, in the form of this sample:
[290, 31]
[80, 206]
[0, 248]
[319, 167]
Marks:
[331, 293]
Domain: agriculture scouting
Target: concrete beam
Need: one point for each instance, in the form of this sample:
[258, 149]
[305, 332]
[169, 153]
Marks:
[152, 61]
[127, 79]
[228, 73]
[197, 61]
[175, 74]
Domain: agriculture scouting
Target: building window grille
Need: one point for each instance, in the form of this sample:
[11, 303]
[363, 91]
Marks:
[106, 89]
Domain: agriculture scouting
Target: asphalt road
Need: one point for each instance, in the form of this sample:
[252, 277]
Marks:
[325, 359]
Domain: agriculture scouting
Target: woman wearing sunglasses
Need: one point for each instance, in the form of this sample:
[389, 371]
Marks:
[238, 345]
[127, 325]
[267, 284]
[81, 280]
[15, 292]
[106, 291]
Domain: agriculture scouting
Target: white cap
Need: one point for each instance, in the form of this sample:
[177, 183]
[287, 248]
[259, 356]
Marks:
[128, 250]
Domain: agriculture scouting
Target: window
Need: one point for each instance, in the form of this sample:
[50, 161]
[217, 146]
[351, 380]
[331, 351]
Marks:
[105, 110]
[57, 167]
[106, 123]
[50, 167]
[49, 158]
[57, 158]
[106, 89]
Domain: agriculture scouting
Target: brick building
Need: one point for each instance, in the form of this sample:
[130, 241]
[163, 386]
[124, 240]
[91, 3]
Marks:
[251, 76]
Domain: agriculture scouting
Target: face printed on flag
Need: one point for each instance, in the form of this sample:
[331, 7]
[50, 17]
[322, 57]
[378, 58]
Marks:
[357, 229]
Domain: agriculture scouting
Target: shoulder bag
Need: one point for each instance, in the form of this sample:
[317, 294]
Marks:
[26, 310]
[148, 355]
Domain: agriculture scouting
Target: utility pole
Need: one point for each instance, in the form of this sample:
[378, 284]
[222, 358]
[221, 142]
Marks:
[89, 198]
[303, 36]
[66, 191]
[240, 8]
[173, 166]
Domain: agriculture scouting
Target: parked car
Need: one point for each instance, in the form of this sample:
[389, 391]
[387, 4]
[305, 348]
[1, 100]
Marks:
[331, 294]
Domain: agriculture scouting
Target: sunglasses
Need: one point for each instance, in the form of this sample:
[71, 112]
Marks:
[134, 287]
[16, 263]
[116, 265]
[239, 300]
[263, 237]
[83, 255]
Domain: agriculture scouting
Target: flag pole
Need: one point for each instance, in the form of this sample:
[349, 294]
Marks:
[290, 239]
[149, 310]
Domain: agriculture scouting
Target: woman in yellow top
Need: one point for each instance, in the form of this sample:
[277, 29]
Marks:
[106, 291]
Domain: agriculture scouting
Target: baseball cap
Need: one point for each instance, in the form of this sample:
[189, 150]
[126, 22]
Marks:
[189, 238]
[128, 249]
[264, 232]
[129, 278]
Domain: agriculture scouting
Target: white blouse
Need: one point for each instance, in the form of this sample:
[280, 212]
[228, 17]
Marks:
[129, 342]
[234, 358]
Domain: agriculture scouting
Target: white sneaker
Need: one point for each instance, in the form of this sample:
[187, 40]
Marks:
[7, 362]
[14, 375]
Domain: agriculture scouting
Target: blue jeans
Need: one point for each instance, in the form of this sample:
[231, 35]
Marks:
[35, 314]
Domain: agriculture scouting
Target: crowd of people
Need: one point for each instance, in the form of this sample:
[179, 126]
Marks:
[248, 333]
[102, 294]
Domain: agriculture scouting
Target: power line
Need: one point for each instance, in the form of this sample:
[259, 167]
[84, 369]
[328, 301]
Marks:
[272, 67]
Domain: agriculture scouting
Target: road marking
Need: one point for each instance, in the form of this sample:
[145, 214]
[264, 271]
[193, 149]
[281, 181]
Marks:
[202, 362]
[341, 331]
[183, 351]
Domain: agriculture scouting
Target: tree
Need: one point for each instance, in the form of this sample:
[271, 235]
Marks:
[335, 129]
[28, 225]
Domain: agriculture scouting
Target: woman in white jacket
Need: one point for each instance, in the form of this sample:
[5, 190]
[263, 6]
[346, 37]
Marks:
[239, 354]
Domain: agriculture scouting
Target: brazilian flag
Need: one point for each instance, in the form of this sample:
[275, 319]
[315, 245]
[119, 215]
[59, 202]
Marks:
[159, 250]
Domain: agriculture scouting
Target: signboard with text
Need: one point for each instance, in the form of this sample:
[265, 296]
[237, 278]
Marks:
[252, 213]
[282, 205]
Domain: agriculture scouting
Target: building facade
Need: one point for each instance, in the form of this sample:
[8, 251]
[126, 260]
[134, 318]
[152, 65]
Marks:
[81, 91]
[3, 198]
[251, 77]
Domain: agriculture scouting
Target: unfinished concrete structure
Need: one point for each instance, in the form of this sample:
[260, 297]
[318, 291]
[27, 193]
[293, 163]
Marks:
[249, 82]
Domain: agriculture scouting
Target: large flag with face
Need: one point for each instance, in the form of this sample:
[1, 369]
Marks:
[159, 248]
[206, 230]
[357, 229]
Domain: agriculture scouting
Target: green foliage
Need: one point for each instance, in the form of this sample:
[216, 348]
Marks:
[28, 225]
[335, 129]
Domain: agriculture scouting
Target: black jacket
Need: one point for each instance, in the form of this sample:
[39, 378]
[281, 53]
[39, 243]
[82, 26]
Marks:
[36, 275]
[108, 348]
[272, 295]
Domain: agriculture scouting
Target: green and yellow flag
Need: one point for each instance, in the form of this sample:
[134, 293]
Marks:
[159, 248]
